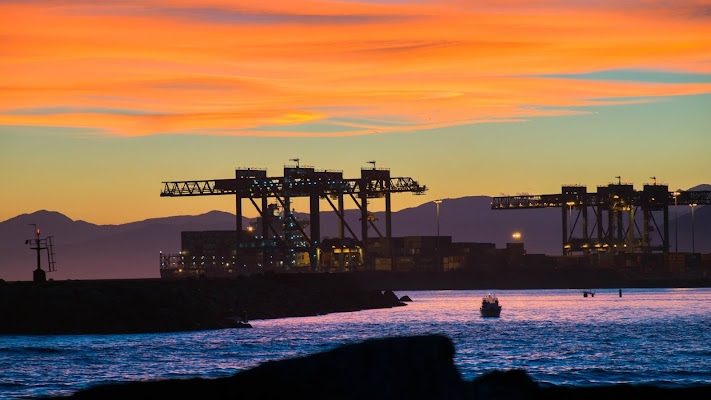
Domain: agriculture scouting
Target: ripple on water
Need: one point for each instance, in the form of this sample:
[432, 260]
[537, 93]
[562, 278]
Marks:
[30, 350]
[649, 336]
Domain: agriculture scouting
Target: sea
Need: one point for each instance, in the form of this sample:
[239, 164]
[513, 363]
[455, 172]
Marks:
[560, 337]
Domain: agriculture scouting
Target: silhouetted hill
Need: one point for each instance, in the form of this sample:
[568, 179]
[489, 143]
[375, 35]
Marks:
[699, 188]
[89, 251]
[682, 210]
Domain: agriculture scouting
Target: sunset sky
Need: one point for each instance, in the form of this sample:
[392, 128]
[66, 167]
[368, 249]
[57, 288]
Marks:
[101, 101]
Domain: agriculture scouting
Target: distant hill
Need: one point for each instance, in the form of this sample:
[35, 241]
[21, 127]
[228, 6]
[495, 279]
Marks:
[88, 251]
[681, 210]
[699, 188]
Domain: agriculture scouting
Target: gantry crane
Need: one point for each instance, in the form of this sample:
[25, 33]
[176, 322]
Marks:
[610, 232]
[299, 181]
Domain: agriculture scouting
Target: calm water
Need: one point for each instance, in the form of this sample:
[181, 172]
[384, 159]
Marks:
[658, 336]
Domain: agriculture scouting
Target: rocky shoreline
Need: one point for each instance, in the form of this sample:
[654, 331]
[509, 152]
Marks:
[155, 305]
[408, 368]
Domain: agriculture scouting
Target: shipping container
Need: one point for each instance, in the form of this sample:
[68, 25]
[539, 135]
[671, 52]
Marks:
[383, 264]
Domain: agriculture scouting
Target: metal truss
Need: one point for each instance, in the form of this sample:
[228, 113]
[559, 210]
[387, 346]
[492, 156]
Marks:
[300, 181]
[620, 230]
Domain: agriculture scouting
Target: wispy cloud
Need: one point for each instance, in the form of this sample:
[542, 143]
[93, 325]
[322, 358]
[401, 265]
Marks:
[297, 68]
[638, 76]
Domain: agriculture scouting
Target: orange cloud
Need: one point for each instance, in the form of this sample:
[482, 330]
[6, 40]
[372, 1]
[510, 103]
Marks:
[152, 67]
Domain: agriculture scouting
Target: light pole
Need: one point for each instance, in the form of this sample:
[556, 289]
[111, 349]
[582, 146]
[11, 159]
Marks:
[439, 259]
[676, 224]
[693, 247]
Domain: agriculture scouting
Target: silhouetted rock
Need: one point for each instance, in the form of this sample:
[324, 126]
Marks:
[405, 298]
[624, 391]
[407, 368]
[390, 296]
[368, 370]
[512, 384]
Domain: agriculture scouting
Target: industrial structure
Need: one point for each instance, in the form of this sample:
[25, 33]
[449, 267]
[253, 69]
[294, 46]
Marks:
[279, 240]
[615, 224]
[38, 244]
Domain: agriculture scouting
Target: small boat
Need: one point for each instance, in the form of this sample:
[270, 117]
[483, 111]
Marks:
[490, 306]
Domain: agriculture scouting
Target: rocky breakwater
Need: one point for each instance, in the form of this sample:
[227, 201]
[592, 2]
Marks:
[154, 305]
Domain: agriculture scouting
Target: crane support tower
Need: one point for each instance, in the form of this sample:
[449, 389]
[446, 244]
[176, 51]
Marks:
[303, 181]
[615, 212]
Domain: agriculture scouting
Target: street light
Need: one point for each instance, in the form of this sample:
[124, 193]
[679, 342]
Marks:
[693, 248]
[439, 259]
[676, 223]
[438, 201]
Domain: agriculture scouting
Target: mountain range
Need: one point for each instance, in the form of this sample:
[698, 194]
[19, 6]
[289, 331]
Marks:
[131, 251]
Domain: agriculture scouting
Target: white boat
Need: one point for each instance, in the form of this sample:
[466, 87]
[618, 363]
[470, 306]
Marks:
[490, 306]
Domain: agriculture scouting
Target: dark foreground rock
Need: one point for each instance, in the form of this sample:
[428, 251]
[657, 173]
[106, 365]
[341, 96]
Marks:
[154, 305]
[407, 368]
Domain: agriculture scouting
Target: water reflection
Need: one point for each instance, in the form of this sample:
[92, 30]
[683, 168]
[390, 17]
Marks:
[656, 336]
